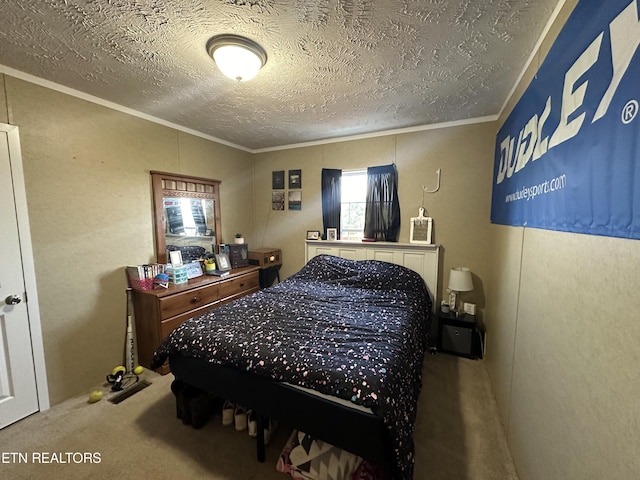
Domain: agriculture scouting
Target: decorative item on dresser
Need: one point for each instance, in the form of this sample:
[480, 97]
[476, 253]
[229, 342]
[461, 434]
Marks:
[222, 260]
[239, 255]
[158, 312]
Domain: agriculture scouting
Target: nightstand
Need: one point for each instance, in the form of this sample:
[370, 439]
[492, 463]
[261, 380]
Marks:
[459, 335]
[269, 260]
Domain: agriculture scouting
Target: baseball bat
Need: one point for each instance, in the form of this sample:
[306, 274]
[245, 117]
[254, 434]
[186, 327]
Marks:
[129, 359]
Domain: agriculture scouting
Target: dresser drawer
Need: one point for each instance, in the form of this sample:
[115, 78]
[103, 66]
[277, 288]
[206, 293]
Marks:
[234, 286]
[159, 312]
[168, 326]
[189, 300]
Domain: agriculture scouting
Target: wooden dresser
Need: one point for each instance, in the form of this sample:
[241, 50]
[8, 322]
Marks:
[158, 312]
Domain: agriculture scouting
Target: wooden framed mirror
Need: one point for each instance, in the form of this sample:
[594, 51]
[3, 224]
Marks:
[187, 215]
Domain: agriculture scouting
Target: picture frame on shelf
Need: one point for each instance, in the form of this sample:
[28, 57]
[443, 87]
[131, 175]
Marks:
[175, 256]
[313, 235]
[332, 234]
[421, 230]
[239, 255]
[222, 261]
[194, 270]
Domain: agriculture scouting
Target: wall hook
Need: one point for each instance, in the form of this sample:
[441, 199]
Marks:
[424, 188]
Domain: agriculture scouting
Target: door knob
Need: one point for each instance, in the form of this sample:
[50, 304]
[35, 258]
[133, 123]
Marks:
[13, 300]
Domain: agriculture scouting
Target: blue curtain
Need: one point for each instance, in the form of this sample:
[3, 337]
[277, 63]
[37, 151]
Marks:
[382, 213]
[331, 198]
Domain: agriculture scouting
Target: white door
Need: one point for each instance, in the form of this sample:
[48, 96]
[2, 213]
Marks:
[18, 385]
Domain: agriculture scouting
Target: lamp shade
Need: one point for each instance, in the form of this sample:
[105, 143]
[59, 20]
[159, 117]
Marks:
[460, 279]
[237, 57]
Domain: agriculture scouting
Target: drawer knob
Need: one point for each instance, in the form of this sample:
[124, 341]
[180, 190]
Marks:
[194, 300]
[242, 284]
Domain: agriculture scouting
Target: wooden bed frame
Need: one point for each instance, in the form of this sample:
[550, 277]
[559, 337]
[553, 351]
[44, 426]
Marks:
[353, 430]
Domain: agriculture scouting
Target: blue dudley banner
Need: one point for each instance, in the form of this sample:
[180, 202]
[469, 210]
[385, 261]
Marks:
[568, 156]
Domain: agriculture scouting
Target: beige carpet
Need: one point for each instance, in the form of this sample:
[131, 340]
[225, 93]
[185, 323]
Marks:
[458, 436]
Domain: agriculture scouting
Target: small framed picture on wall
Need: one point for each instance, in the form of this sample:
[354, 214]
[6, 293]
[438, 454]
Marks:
[295, 178]
[277, 200]
[295, 200]
[277, 180]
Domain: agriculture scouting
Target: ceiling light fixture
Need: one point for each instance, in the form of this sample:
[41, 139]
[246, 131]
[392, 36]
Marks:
[237, 57]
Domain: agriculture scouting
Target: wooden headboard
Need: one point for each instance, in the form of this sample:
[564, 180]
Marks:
[423, 259]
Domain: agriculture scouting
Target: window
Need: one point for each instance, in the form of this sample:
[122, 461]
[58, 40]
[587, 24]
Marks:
[353, 197]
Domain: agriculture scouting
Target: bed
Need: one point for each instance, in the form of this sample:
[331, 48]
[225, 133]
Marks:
[337, 329]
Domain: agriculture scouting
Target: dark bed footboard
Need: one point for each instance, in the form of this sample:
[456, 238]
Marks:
[358, 432]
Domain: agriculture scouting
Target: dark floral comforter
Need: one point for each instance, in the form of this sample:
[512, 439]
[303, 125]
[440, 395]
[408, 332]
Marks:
[353, 329]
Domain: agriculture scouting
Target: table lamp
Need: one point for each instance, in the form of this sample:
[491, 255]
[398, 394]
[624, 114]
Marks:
[459, 281]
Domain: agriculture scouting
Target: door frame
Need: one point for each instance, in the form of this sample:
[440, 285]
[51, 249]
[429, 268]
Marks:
[28, 265]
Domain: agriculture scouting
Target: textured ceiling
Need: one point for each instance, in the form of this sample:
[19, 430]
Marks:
[335, 67]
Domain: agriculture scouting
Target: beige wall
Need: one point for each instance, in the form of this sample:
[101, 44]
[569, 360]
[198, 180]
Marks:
[88, 193]
[563, 346]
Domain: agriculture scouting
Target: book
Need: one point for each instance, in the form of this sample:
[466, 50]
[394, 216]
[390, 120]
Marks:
[141, 272]
[135, 273]
[218, 273]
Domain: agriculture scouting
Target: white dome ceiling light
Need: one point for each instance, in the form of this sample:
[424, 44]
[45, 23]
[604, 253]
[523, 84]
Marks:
[237, 57]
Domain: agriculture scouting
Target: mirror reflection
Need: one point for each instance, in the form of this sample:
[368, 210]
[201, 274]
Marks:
[193, 217]
[190, 222]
